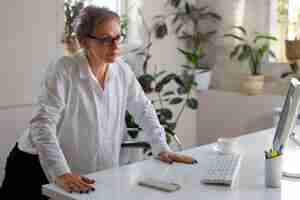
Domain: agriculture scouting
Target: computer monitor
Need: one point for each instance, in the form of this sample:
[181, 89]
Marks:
[285, 129]
[288, 116]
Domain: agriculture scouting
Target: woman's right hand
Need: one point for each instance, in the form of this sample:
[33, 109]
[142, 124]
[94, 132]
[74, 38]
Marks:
[75, 183]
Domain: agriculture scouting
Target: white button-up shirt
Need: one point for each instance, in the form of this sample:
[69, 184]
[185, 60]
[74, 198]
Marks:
[78, 126]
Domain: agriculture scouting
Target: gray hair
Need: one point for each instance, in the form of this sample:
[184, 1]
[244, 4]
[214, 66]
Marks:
[90, 17]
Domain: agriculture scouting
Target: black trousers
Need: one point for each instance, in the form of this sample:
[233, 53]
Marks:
[24, 177]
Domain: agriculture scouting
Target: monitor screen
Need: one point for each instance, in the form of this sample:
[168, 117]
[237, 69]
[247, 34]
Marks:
[288, 115]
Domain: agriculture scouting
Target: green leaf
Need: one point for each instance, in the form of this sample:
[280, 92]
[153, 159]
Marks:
[157, 75]
[191, 57]
[202, 67]
[178, 80]
[202, 9]
[175, 3]
[162, 119]
[175, 19]
[246, 53]
[234, 37]
[294, 67]
[185, 36]
[265, 37]
[158, 17]
[210, 33]
[272, 54]
[192, 103]
[182, 90]
[171, 125]
[168, 93]
[242, 29]
[210, 14]
[178, 28]
[169, 134]
[187, 8]
[167, 113]
[176, 100]
[187, 67]
[146, 82]
[285, 74]
[164, 81]
[235, 50]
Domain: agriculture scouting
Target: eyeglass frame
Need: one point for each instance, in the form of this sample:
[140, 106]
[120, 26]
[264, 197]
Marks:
[108, 40]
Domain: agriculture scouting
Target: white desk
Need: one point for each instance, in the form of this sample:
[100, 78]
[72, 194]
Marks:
[121, 183]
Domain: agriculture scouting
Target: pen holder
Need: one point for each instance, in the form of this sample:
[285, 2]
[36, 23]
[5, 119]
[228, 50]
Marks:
[273, 168]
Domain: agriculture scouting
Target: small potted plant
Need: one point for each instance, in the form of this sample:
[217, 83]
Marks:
[156, 85]
[71, 10]
[200, 71]
[253, 51]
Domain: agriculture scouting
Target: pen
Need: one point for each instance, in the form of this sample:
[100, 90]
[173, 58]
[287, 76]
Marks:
[280, 148]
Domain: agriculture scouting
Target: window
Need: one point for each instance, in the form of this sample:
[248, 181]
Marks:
[285, 24]
[293, 19]
[111, 4]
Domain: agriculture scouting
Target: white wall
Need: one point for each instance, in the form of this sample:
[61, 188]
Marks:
[231, 114]
[29, 39]
[254, 16]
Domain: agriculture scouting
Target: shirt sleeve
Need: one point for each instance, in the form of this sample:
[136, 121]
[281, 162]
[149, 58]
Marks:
[46, 116]
[144, 114]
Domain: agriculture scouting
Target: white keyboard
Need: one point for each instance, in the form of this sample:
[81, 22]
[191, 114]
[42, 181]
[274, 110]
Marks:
[223, 170]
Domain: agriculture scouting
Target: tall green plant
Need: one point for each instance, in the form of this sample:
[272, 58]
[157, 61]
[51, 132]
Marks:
[71, 10]
[252, 50]
[156, 84]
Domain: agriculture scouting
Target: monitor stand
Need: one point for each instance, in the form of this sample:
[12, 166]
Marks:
[291, 159]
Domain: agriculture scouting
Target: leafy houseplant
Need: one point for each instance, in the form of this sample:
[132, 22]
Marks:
[71, 10]
[165, 99]
[156, 84]
[188, 21]
[254, 51]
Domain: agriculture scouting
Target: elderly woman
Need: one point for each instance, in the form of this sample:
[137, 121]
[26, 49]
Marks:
[78, 124]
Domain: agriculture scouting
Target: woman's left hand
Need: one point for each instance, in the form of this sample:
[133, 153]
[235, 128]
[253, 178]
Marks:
[170, 157]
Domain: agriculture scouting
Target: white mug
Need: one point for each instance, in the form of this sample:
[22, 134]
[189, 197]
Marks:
[226, 145]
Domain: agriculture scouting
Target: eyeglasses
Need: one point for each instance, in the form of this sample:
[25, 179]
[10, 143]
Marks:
[108, 40]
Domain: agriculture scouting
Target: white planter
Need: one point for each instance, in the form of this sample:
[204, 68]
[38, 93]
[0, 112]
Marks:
[203, 80]
[130, 155]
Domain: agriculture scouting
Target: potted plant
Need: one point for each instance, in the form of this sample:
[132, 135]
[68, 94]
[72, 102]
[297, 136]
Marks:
[163, 99]
[253, 51]
[71, 11]
[189, 23]
[200, 71]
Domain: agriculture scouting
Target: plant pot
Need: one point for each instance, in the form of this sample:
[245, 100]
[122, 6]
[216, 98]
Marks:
[202, 79]
[292, 49]
[253, 85]
[71, 47]
[130, 155]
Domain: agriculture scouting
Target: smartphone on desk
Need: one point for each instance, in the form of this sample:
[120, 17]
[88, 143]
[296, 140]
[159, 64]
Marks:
[159, 184]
